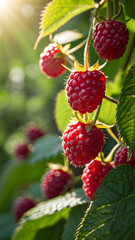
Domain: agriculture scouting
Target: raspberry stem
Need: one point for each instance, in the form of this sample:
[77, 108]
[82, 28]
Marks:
[109, 9]
[109, 158]
[129, 54]
[115, 5]
[96, 114]
[94, 15]
[69, 60]
[76, 47]
[113, 135]
[110, 99]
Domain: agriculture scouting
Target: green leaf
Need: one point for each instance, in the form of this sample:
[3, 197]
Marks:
[73, 221]
[130, 8]
[63, 111]
[111, 216]
[126, 110]
[46, 149]
[58, 12]
[7, 225]
[51, 233]
[47, 213]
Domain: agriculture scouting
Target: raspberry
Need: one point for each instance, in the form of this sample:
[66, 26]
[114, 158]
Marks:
[85, 90]
[22, 205]
[110, 39]
[49, 64]
[33, 133]
[82, 143]
[21, 151]
[121, 157]
[55, 182]
[92, 176]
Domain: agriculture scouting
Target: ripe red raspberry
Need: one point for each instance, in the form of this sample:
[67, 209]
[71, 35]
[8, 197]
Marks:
[110, 39]
[49, 64]
[121, 157]
[85, 90]
[22, 205]
[82, 143]
[55, 182]
[33, 133]
[92, 176]
[21, 151]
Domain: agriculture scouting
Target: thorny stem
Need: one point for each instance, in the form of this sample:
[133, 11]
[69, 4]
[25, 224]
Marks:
[129, 54]
[109, 9]
[113, 135]
[96, 114]
[110, 99]
[95, 13]
[76, 47]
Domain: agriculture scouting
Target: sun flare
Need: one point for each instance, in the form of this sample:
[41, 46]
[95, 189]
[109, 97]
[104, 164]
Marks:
[4, 5]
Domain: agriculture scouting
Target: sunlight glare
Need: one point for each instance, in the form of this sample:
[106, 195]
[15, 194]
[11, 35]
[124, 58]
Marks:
[4, 5]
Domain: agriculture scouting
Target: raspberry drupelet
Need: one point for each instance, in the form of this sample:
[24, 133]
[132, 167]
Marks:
[92, 176]
[85, 90]
[51, 64]
[56, 182]
[110, 39]
[82, 143]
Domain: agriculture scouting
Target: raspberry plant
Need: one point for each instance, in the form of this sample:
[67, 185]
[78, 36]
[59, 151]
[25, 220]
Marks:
[95, 113]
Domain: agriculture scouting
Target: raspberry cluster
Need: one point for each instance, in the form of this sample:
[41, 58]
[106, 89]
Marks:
[92, 176]
[56, 182]
[51, 60]
[85, 90]
[22, 205]
[110, 39]
[82, 143]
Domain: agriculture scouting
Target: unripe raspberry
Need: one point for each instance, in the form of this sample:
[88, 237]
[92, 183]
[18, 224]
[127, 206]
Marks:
[21, 151]
[92, 176]
[50, 63]
[33, 133]
[82, 143]
[56, 182]
[85, 90]
[22, 205]
[110, 39]
[121, 157]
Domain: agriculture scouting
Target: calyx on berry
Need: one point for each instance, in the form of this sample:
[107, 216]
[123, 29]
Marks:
[52, 59]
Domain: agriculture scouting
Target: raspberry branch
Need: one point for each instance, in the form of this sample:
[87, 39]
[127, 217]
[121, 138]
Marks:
[96, 114]
[109, 158]
[111, 99]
